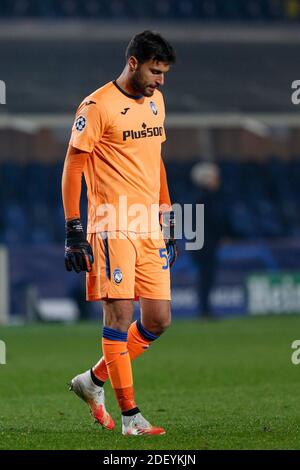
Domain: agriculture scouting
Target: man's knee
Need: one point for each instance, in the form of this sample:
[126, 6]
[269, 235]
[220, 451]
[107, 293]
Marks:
[164, 325]
[155, 315]
[118, 314]
[159, 325]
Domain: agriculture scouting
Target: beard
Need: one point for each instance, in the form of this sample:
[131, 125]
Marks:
[139, 85]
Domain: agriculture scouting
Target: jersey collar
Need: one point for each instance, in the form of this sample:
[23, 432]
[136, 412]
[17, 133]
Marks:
[134, 97]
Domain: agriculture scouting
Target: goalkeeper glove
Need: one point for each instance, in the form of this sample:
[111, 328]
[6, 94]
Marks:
[168, 228]
[78, 251]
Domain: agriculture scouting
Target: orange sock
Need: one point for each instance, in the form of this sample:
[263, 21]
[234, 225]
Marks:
[114, 346]
[137, 344]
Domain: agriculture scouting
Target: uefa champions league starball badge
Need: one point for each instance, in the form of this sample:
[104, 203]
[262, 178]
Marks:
[80, 123]
[153, 107]
[118, 276]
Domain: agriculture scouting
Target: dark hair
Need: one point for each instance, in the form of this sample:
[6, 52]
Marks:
[150, 45]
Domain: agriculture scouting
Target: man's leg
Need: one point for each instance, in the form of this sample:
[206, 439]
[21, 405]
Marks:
[207, 278]
[155, 318]
[117, 317]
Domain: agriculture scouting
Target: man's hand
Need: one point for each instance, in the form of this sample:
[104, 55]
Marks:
[78, 251]
[168, 227]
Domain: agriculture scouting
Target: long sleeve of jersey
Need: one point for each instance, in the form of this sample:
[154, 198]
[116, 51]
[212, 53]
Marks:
[72, 181]
[164, 196]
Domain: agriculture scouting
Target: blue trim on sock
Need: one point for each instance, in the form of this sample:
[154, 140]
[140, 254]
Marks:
[115, 335]
[145, 333]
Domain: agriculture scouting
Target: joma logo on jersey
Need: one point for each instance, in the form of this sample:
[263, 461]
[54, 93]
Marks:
[147, 132]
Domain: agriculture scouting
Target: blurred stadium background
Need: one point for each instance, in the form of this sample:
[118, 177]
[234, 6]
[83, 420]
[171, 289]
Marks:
[228, 101]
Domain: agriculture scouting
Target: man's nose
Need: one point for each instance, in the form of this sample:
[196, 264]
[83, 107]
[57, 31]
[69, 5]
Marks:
[160, 80]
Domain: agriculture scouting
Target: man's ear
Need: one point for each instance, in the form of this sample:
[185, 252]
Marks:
[132, 63]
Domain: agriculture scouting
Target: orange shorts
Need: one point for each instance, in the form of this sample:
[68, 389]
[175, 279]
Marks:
[127, 267]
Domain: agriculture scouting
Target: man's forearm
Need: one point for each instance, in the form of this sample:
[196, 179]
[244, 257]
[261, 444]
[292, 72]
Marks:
[164, 196]
[72, 181]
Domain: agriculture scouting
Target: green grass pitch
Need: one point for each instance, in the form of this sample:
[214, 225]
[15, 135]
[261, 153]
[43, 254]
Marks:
[227, 384]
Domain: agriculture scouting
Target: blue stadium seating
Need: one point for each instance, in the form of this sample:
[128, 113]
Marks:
[260, 199]
[253, 10]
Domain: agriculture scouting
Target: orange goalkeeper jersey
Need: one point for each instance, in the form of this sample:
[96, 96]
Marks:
[123, 135]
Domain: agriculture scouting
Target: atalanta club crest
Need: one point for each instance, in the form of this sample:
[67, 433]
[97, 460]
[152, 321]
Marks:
[118, 276]
[80, 123]
[153, 107]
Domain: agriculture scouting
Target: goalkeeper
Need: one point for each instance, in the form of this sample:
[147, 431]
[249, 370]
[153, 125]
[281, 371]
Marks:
[116, 143]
